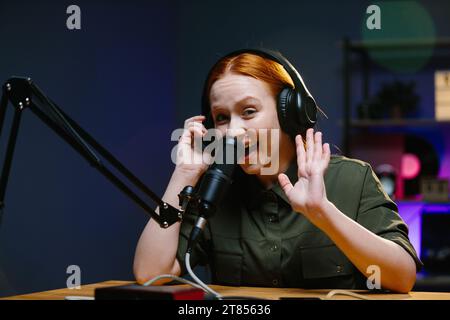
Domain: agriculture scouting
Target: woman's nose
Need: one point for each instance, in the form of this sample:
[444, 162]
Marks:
[236, 128]
[235, 132]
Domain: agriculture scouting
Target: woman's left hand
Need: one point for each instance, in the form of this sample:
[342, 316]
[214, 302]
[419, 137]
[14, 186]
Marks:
[308, 195]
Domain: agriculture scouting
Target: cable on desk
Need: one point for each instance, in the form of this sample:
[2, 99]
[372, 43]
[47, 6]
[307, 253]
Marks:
[242, 298]
[333, 293]
[197, 280]
[171, 276]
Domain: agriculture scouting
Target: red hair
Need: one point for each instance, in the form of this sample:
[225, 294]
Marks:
[253, 65]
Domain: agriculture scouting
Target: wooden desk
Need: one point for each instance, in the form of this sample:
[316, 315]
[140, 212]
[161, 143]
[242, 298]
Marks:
[268, 293]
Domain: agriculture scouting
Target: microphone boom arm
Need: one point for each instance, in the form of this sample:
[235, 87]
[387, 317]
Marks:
[24, 93]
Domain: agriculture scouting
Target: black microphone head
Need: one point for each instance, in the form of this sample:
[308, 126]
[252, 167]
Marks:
[225, 158]
[219, 175]
[215, 184]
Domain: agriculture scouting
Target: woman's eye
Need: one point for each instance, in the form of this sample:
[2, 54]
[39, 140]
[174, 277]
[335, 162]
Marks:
[248, 112]
[221, 118]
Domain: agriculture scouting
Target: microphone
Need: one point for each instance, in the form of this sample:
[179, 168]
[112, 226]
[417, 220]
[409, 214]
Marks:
[214, 185]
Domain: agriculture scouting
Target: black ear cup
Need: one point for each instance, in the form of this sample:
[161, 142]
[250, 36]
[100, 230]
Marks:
[309, 115]
[295, 116]
[284, 110]
[306, 116]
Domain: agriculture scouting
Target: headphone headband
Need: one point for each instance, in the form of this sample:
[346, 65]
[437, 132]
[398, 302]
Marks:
[277, 57]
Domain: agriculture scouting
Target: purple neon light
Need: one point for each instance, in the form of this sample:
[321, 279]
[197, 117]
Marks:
[412, 211]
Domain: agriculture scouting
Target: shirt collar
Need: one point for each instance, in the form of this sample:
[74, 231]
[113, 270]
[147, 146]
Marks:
[255, 188]
[292, 174]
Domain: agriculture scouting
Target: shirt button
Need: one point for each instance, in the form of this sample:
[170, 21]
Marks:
[275, 282]
[338, 269]
[274, 247]
[270, 196]
[273, 218]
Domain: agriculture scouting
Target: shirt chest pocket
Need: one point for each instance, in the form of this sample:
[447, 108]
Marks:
[227, 268]
[227, 261]
[325, 262]
[322, 259]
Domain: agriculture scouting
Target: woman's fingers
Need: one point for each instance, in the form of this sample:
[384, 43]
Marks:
[315, 154]
[301, 157]
[326, 154]
[309, 146]
[196, 131]
[285, 183]
[317, 146]
[195, 122]
[199, 118]
[193, 129]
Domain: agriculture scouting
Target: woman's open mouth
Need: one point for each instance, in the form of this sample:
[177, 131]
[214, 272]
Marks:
[249, 149]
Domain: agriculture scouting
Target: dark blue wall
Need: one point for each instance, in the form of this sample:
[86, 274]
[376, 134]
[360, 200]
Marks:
[115, 77]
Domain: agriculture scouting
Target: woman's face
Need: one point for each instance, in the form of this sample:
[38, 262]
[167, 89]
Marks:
[243, 105]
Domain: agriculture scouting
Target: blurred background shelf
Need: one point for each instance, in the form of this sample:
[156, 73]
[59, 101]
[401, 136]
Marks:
[389, 140]
[399, 43]
[381, 123]
[386, 123]
[357, 56]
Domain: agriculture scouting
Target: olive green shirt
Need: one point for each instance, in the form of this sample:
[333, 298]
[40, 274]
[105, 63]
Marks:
[256, 239]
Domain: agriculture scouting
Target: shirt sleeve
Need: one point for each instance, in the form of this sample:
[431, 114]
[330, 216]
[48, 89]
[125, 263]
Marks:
[379, 214]
[199, 254]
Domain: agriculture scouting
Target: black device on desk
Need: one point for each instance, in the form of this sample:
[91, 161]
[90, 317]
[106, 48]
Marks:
[138, 292]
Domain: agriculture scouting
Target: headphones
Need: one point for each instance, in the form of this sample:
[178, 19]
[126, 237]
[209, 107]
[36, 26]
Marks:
[296, 108]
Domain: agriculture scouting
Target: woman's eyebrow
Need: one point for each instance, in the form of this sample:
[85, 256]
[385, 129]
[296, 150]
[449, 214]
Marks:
[243, 100]
[247, 99]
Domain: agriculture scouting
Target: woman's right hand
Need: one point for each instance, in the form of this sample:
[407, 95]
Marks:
[190, 159]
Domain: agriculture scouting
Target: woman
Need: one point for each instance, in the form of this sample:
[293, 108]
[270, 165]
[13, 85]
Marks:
[318, 222]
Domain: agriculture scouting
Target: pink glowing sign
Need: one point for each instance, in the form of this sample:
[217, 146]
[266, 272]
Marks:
[410, 166]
